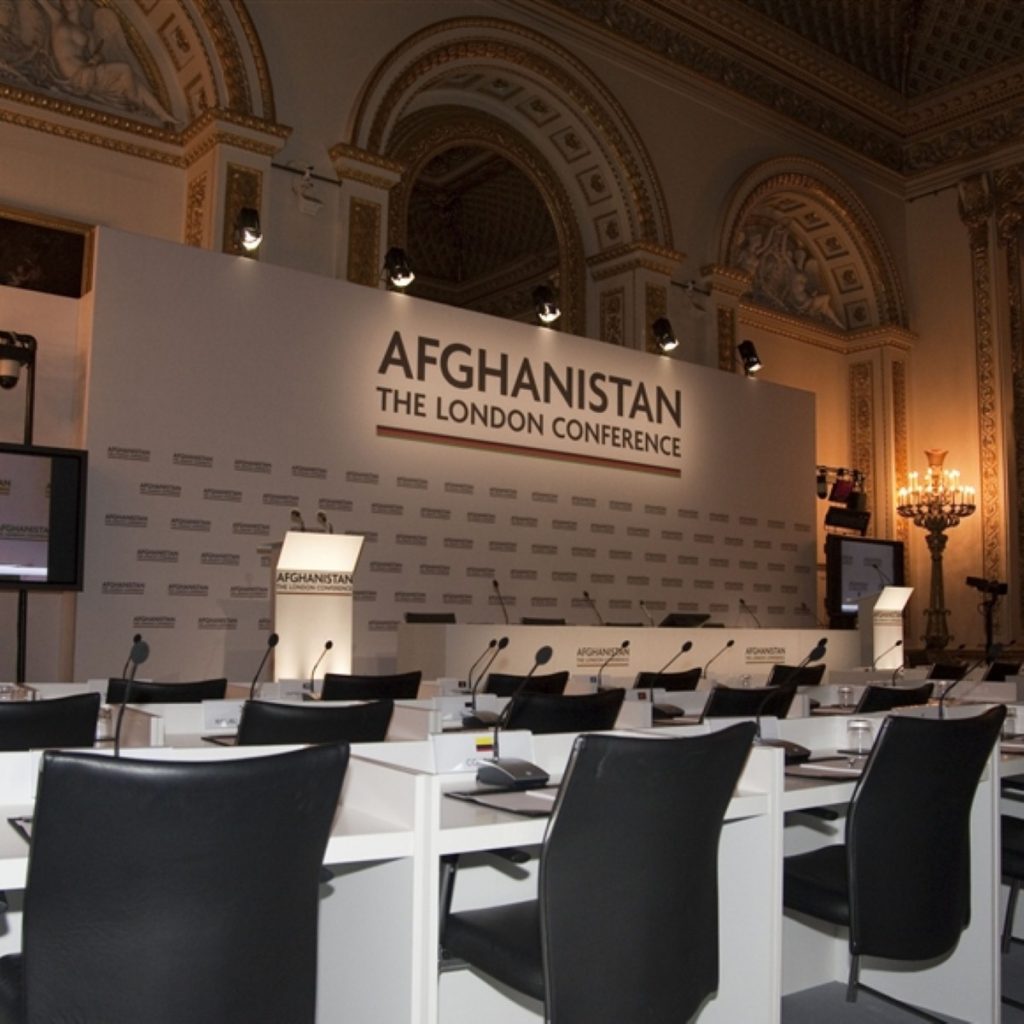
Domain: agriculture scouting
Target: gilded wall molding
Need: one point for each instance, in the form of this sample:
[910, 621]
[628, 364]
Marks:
[725, 323]
[613, 316]
[364, 233]
[900, 448]
[196, 210]
[977, 206]
[862, 430]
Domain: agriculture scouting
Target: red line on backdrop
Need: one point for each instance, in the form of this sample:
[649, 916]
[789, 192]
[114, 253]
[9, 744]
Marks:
[516, 449]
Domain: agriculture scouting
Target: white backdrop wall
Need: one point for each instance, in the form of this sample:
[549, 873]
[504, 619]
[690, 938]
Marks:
[224, 393]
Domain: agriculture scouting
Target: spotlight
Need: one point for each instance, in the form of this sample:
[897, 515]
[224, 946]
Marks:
[397, 269]
[822, 481]
[751, 362]
[16, 351]
[248, 230]
[546, 305]
[663, 335]
[847, 519]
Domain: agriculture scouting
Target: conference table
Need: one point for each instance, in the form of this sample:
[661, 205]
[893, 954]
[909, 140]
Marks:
[380, 913]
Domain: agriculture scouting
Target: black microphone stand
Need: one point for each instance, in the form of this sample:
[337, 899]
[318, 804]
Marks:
[501, 600]
[312, 675]
[271, 644]
[715, 657]
[477, 718]
[624, 646]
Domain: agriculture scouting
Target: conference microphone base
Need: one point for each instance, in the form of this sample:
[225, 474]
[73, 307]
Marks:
[479, 719]
[795, 753]
[511, 773]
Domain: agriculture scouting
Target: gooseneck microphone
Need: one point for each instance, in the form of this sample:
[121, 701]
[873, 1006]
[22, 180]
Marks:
[750, 611]
[254, 685]
[137, 655]
[475, 717]
[298, 523]
[682, 650]
[501, 600]
[888, 650]
[312, 675]
[325, 524]
[593, 607]
[131, 650]
[514, 772]
[624, 646]
[715, 657]
[650, 617]
[990, 655]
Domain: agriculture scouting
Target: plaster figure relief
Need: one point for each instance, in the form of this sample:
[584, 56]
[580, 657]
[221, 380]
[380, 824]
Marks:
[74, 48]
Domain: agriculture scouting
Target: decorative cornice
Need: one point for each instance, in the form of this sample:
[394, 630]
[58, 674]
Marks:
[821, 336]
[634, 256]
[354, 164]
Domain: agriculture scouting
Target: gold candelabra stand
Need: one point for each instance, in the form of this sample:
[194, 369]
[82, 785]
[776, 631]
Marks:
[936, 504]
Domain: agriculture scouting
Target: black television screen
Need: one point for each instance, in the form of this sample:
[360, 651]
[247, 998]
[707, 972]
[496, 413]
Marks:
[858, 567]
[42, 517]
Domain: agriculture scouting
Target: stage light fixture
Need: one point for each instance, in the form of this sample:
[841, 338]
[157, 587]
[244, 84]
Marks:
[748, 354]
[546, 305]
[397, 269]
[664, 335]
[842, 518]
[248, 230]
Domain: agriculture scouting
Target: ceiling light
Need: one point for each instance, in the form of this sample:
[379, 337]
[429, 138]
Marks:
[397, 269]
[545, 304]
[664, 335]
[748, 353]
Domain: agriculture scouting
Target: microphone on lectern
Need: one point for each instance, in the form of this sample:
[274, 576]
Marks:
[501, 600]
[514, 772]
[750, 611]
[312, 675]
[650, 617]
[624, 646]
[271, 644]
[888, 650]
[298, 523]
[715, 657]
[325, 524]
[593, 607]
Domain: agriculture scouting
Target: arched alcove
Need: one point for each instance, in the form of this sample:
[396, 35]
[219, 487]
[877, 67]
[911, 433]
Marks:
[499, 88]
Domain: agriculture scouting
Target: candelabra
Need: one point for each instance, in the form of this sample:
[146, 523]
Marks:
[936, 504]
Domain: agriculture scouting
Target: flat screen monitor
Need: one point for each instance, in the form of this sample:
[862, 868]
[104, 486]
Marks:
[42, 517]
[684, 620]
[859, 567]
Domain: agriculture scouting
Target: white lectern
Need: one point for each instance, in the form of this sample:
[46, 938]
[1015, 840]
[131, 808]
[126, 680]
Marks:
[313, 602]
[880, 620]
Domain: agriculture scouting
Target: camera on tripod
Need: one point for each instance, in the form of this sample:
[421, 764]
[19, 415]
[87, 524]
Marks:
[993, 587]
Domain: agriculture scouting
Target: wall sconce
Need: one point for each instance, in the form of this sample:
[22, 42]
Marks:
[749, 356]
[397, 270]
[545, 304]
[248, 230]
[664, 336]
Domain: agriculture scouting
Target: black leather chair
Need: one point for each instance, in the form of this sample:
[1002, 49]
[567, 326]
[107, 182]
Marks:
[145, 692]
[61, 722]
[265, 722]
[560, 948]
[754, 701]
[999, 671]
[885, 698]
[503, 684]
[885, 884]
[796, 675]
[674, 681]
[396, 686]
[1012, 835]
[552, 712]
[540, 620]
[166, 892]
[948, 671]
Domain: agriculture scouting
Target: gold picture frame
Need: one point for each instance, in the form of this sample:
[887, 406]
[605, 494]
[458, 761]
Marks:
[45, 254]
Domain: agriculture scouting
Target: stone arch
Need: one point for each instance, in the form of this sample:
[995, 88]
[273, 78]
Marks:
[503, 85]
[810, 247]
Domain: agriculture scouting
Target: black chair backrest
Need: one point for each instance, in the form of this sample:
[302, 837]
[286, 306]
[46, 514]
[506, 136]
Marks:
[62, 722]
[504, 685]
[447, 617]
[676, 681]
[181, 891]
[885, 698]
[552, 712]
[734, 702]
[667, 911]
[998, 671]
[396, 686]
[265, 722]
[539, 620]
[951, 671]
[796, 675]
[907, 834]
[166, 693]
